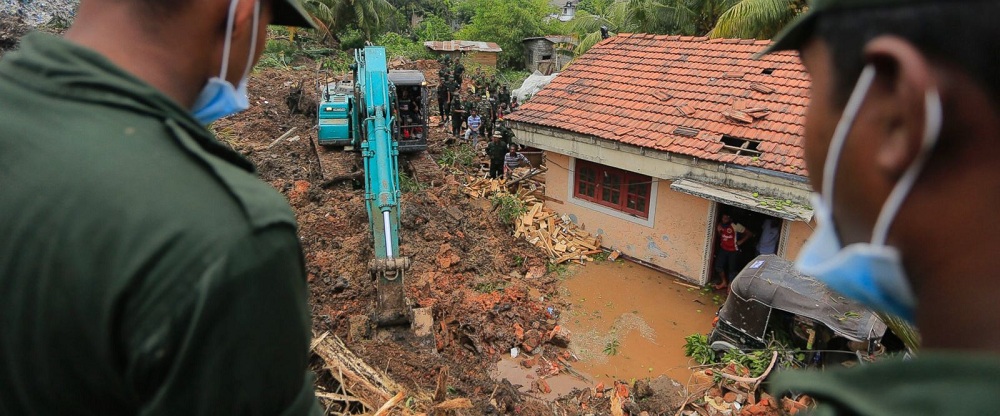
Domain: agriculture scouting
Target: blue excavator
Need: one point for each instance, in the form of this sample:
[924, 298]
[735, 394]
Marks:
[372, 114]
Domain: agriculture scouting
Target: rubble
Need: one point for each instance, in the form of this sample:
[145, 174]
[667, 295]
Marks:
[557, 235]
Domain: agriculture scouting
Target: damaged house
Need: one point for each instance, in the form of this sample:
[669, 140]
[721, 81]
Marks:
[649, 139]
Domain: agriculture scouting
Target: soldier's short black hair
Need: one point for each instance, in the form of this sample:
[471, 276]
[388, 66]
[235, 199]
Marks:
[965, 36]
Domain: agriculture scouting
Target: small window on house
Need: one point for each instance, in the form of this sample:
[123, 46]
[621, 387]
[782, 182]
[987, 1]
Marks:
[546, 57]
[614, 188]
[586, 182]
[768, 71]
[740, 147]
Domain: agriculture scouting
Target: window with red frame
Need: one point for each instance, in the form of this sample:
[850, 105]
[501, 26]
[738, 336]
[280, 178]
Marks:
[614, 188]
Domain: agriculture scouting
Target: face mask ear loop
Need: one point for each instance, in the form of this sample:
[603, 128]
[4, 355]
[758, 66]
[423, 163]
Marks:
[253, 38]
[229, 38]
[932, 132]
[843, 129]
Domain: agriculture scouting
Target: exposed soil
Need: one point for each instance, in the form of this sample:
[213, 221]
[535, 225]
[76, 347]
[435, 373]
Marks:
[466, 265]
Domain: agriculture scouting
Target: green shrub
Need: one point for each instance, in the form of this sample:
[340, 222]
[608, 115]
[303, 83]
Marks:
[509, 208]
[696, 346]
[462, 155]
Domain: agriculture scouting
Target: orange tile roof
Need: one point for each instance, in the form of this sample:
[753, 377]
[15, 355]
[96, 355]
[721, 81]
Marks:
[638, 89]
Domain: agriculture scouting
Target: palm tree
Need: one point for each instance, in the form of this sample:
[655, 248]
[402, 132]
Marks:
[749, 19]
[368, 16]
[756, 19]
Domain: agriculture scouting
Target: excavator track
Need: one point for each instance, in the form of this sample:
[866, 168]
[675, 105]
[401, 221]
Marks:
[337, 164]
[423, 168]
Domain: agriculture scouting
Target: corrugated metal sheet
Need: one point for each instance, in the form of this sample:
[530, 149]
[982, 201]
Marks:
[462, 46]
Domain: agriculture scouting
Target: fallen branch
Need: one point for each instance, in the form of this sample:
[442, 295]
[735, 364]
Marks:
[453, 404]
[384, 410]
[283, 136]
[342, 178]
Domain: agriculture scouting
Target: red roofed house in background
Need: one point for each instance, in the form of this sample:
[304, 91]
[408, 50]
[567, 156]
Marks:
[649, 138]
[483, 53]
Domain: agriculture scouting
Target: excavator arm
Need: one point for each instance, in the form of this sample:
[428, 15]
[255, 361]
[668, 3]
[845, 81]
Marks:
[380, 153]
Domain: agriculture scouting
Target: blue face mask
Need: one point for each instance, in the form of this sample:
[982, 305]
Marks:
[218, 98]
[870, 273]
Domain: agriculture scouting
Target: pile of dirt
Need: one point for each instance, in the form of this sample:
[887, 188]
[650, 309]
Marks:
[466, 267]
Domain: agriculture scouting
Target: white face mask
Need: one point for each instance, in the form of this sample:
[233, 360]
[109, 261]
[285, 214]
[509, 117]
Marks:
[218, 98]
[871, 273]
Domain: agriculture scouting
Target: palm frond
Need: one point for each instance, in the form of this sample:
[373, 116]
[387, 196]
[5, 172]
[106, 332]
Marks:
[586, 43]
[754, 19]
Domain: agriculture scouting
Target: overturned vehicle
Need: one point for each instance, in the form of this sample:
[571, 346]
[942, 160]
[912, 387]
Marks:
[771, 301]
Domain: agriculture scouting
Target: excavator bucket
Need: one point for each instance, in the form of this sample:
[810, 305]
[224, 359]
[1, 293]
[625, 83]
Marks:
[391, 308]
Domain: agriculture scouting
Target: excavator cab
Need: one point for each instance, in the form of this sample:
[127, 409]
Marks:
[411, 99]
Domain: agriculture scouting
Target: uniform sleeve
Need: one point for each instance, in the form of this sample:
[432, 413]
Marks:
[239, 341]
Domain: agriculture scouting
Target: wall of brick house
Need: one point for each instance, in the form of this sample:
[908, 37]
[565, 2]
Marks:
[674, 240]
[534, 50]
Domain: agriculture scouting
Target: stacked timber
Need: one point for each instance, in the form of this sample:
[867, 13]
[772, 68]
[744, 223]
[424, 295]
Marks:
[561, 238]
[557, 235]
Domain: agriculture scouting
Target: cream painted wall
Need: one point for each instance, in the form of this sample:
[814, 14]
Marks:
[673, 239]
[798, 232]
[676, 238]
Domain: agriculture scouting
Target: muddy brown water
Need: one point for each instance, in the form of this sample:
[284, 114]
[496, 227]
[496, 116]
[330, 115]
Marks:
[627, 322]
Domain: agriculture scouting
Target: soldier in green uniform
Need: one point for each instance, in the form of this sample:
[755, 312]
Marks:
[899, 140]
[506, 134]
[484, 109]
[503, 96]
[444, 100]
[458, 71]
[458, 113]
[144, 268]
[496, 152]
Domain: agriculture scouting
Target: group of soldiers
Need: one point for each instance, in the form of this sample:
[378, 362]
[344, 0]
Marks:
[488, 97]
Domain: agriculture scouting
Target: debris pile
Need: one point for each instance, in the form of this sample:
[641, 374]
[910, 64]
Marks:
[557, 235]
[729, 390]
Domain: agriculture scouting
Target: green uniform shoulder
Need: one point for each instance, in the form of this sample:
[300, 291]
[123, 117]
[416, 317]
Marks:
[945, 383]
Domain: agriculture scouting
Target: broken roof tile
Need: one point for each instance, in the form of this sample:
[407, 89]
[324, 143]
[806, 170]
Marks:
[639, 89]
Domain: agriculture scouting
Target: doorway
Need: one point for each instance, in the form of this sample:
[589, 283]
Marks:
[766, 237]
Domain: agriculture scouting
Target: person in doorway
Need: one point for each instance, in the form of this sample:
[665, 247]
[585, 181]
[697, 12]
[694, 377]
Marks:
[770, 230]
[144, 267]
[731, 236]
[902, 123]
[512, 160]
[473, 123]
[496, 152]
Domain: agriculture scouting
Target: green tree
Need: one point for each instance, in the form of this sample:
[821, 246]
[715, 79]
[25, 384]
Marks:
[756, 19]
[760, 19]
[434, 28]
[507, 23]
[370, 17]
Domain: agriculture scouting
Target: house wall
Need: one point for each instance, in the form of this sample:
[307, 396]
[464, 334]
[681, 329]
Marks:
[672, 238]
[482, 58]
[678, 235]
[534, 50]
[798, 232]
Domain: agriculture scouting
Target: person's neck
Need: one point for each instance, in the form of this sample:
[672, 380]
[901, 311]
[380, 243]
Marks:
[165, 61]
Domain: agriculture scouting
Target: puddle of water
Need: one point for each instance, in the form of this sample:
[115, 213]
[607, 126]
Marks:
[560, 384]
[629, 321]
